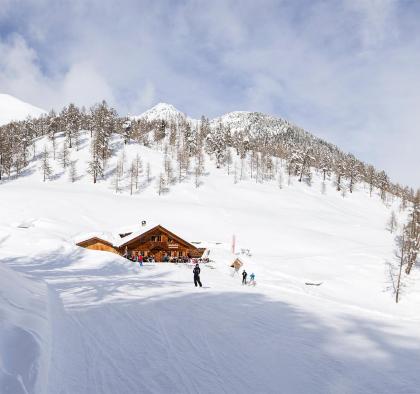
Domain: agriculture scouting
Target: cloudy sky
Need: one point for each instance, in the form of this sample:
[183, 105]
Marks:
[348, 71]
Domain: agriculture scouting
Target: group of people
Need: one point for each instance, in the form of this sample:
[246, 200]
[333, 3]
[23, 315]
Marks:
[139, 258]
[251, 279]
[197, 280]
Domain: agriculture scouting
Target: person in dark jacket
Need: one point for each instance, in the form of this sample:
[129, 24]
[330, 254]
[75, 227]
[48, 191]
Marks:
[244, 275]
[196, 272]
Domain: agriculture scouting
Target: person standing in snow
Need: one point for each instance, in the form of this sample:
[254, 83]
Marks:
[244, 275]
[252, 279]
[196, 272]
[140, 259]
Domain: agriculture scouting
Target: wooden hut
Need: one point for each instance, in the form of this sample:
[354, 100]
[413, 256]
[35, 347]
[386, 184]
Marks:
[96, 243]
[157, 241]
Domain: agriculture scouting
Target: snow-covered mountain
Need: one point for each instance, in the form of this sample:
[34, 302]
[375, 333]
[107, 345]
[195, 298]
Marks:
[256, 123]
[12, 108]
[161, 111]
[321, 318]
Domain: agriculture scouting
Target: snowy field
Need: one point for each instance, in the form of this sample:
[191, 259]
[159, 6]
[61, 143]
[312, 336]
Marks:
[79, 321]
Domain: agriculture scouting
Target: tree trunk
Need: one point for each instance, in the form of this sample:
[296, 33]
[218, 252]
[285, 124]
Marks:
[397, 293]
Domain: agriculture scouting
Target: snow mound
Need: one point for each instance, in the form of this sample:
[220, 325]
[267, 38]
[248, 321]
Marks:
[24, 333]
[12, 109]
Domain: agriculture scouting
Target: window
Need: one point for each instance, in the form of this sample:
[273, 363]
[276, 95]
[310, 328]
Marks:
[156, 238]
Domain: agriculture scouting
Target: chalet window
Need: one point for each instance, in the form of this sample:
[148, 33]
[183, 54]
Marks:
[156, 238]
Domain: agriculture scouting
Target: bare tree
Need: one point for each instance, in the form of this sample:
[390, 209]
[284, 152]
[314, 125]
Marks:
[118, 176]
[161, 184]
[45, 164]
[392, 222]
[133, 174]
[396, 271]
[280, 179]
[228, 160]
[412, 234]
[64, 156]
[73, 171]
[148, 173]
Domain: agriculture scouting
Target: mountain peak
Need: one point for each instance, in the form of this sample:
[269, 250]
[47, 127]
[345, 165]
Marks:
[160, 111]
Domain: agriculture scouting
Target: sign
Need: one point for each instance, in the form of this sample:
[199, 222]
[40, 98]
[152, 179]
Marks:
[173, 246]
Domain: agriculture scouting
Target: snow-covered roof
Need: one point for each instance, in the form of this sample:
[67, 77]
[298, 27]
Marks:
[115, 238]
[134, 234]
[104, 236]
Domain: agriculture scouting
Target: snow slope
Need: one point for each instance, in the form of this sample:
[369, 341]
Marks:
[12, 108]
[114, 327]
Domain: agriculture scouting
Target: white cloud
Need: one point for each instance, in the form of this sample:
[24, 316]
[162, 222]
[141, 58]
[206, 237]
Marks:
[348, 70]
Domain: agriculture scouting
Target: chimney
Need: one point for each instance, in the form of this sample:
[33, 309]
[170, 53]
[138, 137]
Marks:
[143, 223]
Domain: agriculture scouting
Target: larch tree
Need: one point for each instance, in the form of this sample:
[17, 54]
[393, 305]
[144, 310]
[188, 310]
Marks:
[132, 175]
[45, 164]
[138, 170]
[148, 173]
[95, 164]
[352, 171]
[412, 234]
[392, 222]
[64, 156]
[161, 184]
[73, 171]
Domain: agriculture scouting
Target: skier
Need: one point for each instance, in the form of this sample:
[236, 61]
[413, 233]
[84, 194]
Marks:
[244, 275]
[196, 272]
[140, 259]
[252, 279]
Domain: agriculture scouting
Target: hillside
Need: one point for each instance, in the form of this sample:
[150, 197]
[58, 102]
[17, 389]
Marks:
[115, 327]
[12, 109]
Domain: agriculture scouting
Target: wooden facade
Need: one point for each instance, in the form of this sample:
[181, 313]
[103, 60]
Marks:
[157, 242]
[96, 243]
[161, 244]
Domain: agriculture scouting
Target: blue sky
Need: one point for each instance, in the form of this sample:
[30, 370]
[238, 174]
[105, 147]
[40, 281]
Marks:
[348, 70]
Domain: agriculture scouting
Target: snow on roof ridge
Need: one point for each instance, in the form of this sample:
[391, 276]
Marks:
[114, 237]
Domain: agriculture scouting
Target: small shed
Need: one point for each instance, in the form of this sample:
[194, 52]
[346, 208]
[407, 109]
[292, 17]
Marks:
[96, 243]
[237, 264]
